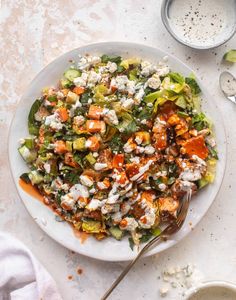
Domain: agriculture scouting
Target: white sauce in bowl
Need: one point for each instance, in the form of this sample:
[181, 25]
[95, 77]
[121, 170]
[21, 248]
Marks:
[214, 293]
[202, 22]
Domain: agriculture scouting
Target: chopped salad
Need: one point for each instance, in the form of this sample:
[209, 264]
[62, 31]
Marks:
[115, 146]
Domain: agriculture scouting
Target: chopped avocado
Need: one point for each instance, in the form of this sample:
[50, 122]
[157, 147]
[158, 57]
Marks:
[69, 145]
[91, 226]
[230, 56]
[35, 177]
[79, 144]
[116, 232]
[72, 97]
[90, 158]
[71, 74]
[130, 61]
[65, 83]
[27, 154]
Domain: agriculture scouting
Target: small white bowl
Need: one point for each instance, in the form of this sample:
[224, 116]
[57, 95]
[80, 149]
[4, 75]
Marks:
[207, 287]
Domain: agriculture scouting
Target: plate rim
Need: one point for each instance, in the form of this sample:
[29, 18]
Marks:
[205, 93]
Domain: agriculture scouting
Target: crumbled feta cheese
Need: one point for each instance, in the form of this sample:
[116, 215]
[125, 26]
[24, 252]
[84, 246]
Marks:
[129, 224]
[100, 166]
[90, 101]
[123, 84]
[93, 78]
[101, 185]
[81, 80]
[147, 68]
[162, 70]
[138, 97]
[138, 140]
[200, 161]
[135, 159]
[74, 107]
[190, 174]
[163, 291]
[154, 82]
[95, 154]
[86, 180]
[78, 120]
[128, 148]
[110, 116]
[127, 102]
[149, 149]
[125, 207]
[162, 186]
[95, 204]
[88, 143]
[47, 167]
[60, 95]
[140, 149]
[92, 191]
[54, 122]
[111, 67]
[148, 220]
[116, 217]
[21, 141]
[86, 61]
[211, 141]
[68, 202]
[79, 190]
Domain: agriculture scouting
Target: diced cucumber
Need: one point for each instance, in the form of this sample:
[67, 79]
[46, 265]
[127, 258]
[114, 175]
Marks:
[35, 177]
[25, 177]
[116, 232]
[27, 154]
[71, 74]
[230, 56]
[90, 158]
[79, 144]
[65, 83]
[29, 143]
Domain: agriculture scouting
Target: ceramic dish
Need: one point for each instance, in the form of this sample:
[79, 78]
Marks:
[200, 25]
[108, 249]
[212, 290]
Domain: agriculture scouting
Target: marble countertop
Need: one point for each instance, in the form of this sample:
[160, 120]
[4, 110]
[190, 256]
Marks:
[33, 33]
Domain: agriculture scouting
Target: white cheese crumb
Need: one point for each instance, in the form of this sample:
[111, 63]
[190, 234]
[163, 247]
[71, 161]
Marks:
[86, 180]
[163, 291]
[100, 166]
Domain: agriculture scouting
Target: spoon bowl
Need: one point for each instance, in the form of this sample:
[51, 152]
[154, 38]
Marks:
[228, 85]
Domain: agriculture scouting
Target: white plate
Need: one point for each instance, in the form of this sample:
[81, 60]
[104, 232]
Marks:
[108, 249]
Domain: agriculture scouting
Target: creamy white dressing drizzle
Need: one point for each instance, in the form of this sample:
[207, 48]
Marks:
[202, 22]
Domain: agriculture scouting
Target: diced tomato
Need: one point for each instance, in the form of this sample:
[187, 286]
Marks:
[173, 119]
[95, 126]
[121, 177]
[195, 146]
[69, 160]
[63, 114]
[132, 169]
[113, 89]
[95, 112]
[93, 143]
[78, 90]
[60, 147]
[160, 140]
[105, 157]
[167, 109]
[118, 161]
[123, 223]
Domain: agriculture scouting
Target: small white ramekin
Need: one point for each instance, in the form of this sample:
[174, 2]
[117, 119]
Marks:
[209, 284]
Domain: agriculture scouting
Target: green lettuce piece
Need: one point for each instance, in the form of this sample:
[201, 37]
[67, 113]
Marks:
[193, 85]
[176, 77]
[106, 58]
[33, 125]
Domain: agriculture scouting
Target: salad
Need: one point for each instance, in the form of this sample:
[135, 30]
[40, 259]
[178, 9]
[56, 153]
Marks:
[115, 146]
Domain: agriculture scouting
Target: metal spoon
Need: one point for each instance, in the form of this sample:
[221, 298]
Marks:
[228, 85]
